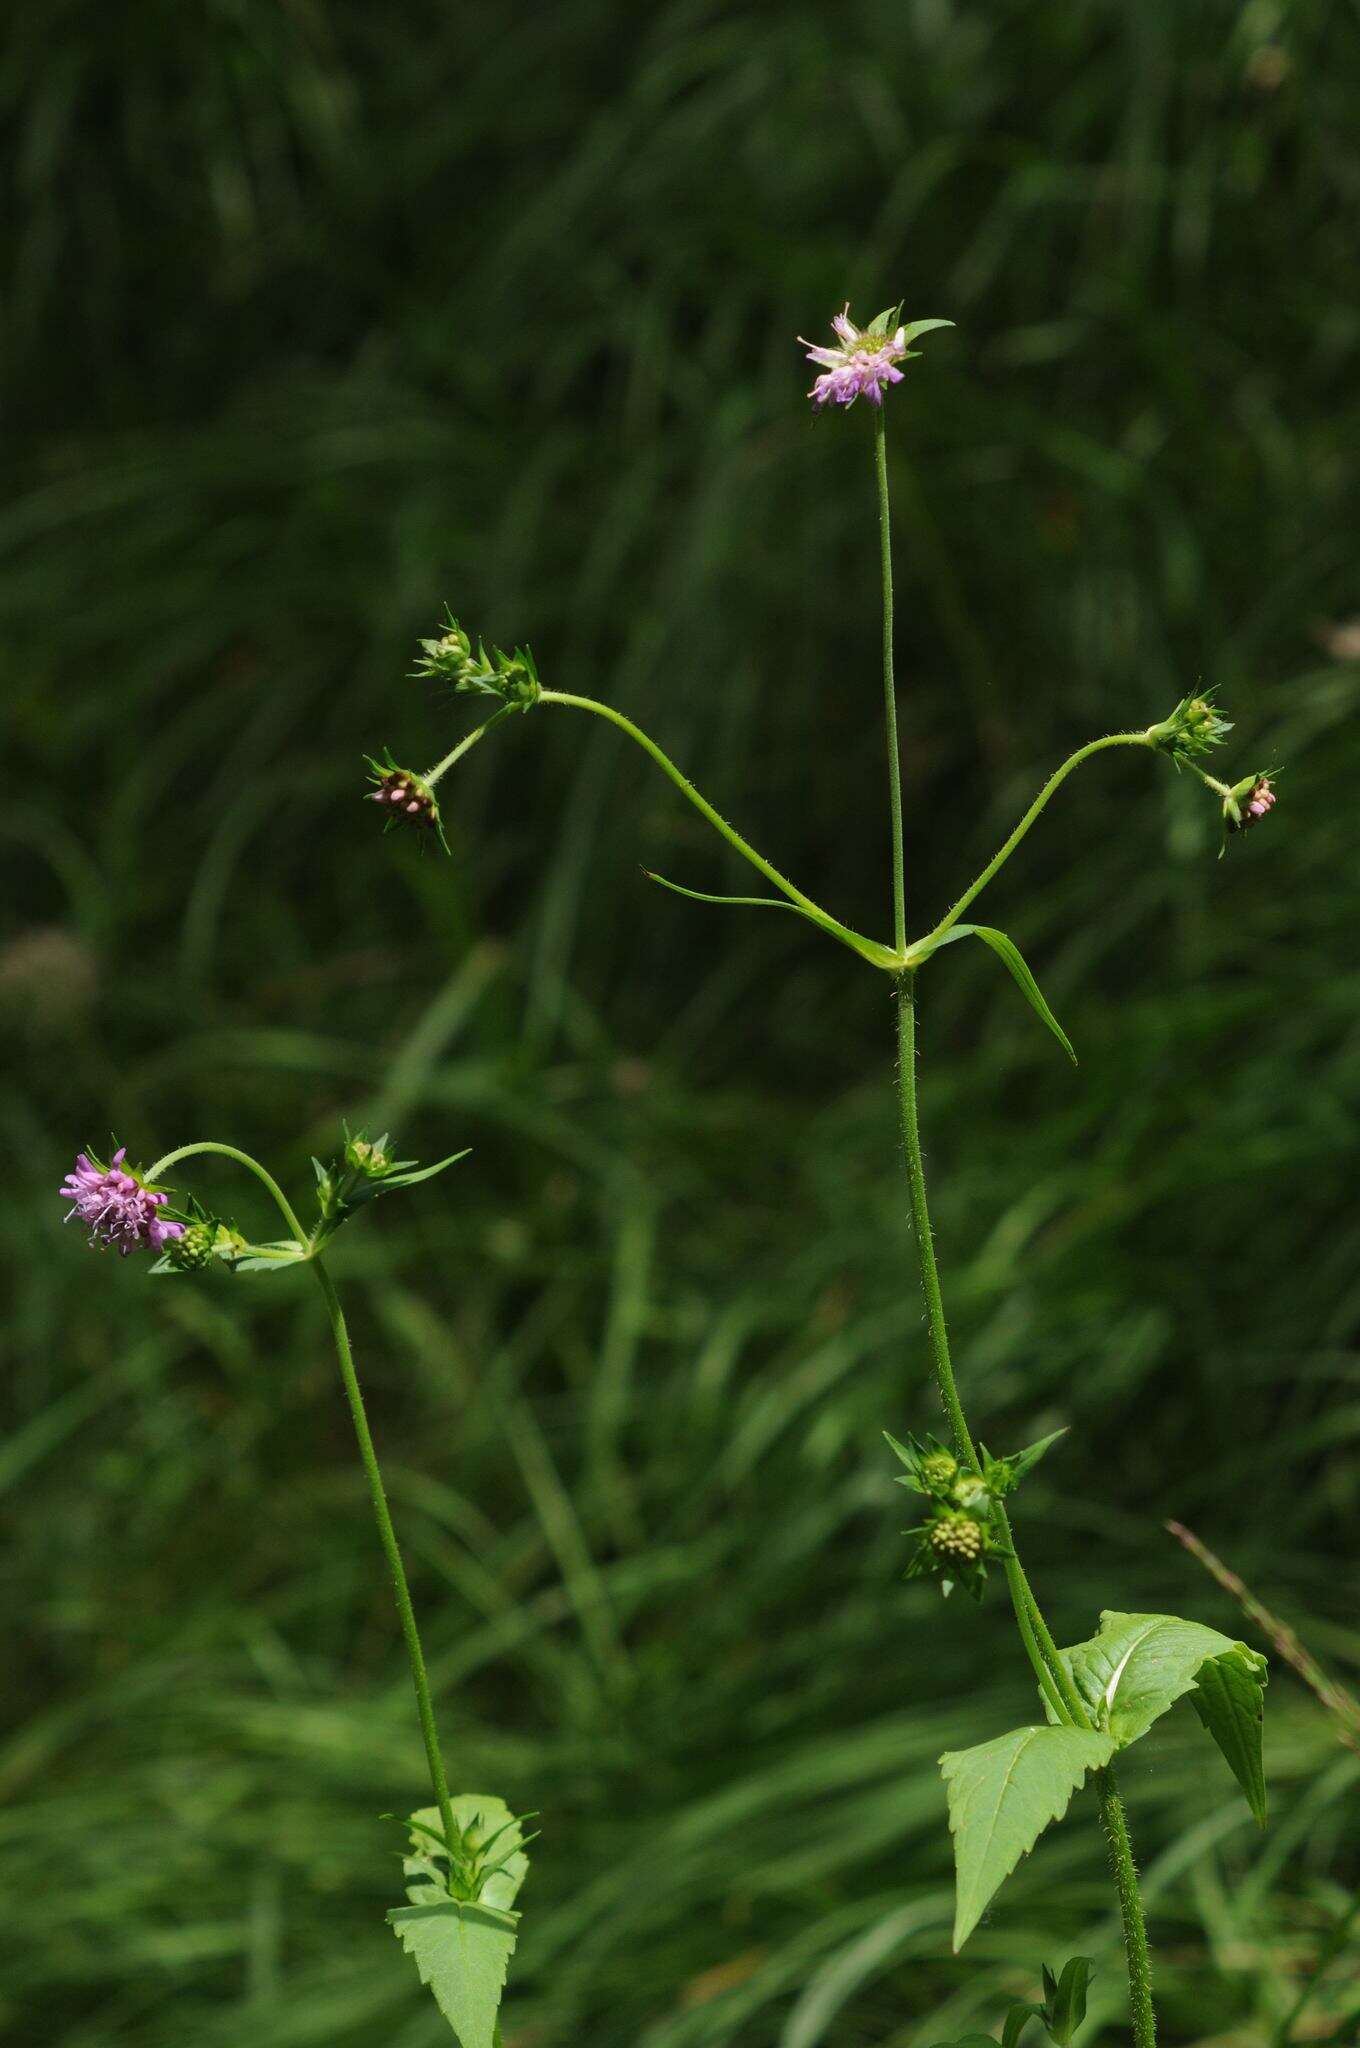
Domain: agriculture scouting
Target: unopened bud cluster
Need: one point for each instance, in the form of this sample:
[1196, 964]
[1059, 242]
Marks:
[451, 659]
[404, 797]
[1193, 728]
[958, 1534]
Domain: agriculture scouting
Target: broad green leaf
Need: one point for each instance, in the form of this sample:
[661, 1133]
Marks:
[868, 949]
[462, 1949]
[1138, 1665]
[1002, 1795]
[1230, 1700]
[1067, 1999]
[1011, 957]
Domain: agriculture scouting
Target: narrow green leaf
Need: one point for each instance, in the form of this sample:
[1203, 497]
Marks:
[409, 1180]
[1017, 2019]
[915, 328]
[1002, 1795]
[967, 2041]
[1138, 1665]
[461, 1948]
[1024, 1461]
[1229, 1698]
[1013, 959]
[868, 949]
[1067, 2000]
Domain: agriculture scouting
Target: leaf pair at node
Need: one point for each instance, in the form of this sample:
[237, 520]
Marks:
[1004, 1793]
[459, 1926]
[364, 1170]
[1062, 2011]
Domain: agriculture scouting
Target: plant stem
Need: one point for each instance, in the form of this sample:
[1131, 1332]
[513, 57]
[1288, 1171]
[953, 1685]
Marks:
[1059, 776]
[387, 1536]
[899, 879]
[468, 741]
[1040, 1648]
[869, 949]
[1048, 1668]
[1116, 1828]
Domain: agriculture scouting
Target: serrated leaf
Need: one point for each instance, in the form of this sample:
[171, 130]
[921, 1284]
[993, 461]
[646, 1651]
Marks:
[1229, 1698]
[1002, 1795]
[868, 949]
[1013, 960]
[462, 1949]
[1138, 1665]
[1067, 1999]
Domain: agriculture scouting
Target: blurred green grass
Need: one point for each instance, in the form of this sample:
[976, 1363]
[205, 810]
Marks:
[320, 316]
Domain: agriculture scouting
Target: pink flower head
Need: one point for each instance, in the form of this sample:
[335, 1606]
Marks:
[865, 363]
[116, 1206]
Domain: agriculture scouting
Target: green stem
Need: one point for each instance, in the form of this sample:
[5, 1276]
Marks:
[1035, 1634]
[465, 745]
[1059, 775]
[284, 1206]
[1022, 1599]
[869, 949]
[889, 686]
[387, 1535]
[1115, 1824]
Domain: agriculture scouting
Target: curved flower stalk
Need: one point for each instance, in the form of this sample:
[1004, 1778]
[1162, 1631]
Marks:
[1100, 1696]
[465, 1860]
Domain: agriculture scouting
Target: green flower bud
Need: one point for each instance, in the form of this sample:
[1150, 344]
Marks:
[193, 1248]
[957, 1537]
[1193, 728]
[971, 1491]
[938, 1469]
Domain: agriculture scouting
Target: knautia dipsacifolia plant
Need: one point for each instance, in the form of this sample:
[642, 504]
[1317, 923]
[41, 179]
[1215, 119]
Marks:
[464, 1860]
[1097, 1696]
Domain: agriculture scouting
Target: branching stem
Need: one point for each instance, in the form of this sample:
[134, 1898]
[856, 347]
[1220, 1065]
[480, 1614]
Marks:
[368, 1456]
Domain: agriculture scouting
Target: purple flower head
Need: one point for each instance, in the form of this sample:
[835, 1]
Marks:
[865, 362]
[117, 1207]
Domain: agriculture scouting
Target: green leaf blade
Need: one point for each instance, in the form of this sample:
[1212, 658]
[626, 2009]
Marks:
[1138, 1665]
[1002, 1795]
[462, 1948]
[1014, 961]
[1229, 1698]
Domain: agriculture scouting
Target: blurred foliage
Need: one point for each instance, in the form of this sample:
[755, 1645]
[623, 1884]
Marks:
[320, 315]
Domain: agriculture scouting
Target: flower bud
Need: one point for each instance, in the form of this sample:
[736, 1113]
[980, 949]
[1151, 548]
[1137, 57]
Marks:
[194, 1250]
[957, 1537]
[1193, 728]
[972, 1492]
[939, 1469]
[1248, 802]
[404, 798]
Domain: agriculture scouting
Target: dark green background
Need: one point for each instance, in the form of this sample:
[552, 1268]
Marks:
[318, 316]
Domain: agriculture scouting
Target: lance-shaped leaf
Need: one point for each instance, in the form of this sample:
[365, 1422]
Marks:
[1002, 1795]
[1013, 959]
[868, 949]
[1229, 1698]
[1064, 2006]
[461, 1947]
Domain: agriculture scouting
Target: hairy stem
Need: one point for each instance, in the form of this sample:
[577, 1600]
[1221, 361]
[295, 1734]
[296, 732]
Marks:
[465, 745]
[869, 949]
[1003, 854]
[1115, 1824]
[387, 1535]
[899, 876]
